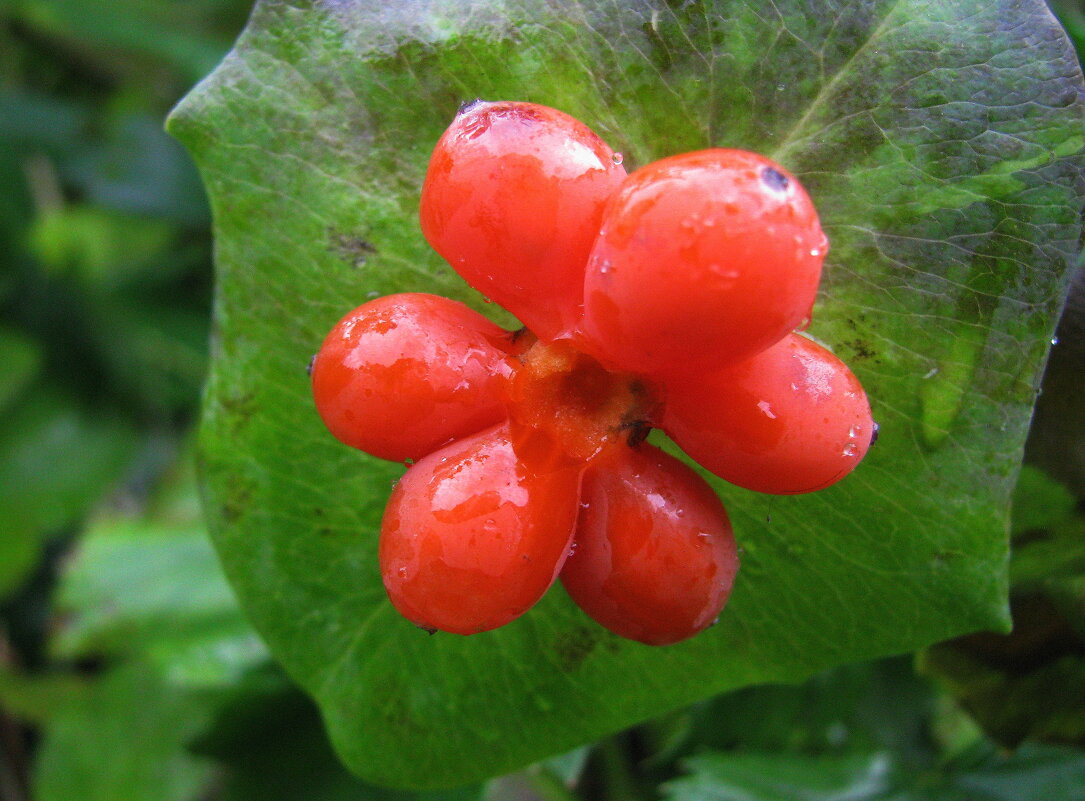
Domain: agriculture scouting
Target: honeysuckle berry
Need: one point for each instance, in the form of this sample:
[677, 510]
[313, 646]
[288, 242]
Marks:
[788, 420]
[702, 259]
[512, 200]
[655, 557]
[476, 531]
[663, 299]
[403, 374]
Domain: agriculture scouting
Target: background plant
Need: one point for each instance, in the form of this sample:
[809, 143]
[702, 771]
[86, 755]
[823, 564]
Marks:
[126, 667]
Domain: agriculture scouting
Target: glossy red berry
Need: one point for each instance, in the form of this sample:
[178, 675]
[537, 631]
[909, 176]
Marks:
[654, 557]
[703, 258]
[404, 374]
[512, 200]
[789, 420]
[475, 533]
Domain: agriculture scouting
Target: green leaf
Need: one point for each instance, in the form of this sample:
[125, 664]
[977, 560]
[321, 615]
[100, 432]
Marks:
[157, 29]
[1039, 501]
[36, 698]
[1035, 773]
[1029, 684]
[880, 706]
[124, 741]
[147, 594]
[152, 589]
[941, 142]
[55, 461]
[275, 747]
[20, 360]
[95, 244]
[783, 777]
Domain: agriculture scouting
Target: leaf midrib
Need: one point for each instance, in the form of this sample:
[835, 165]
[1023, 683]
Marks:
[829, 86]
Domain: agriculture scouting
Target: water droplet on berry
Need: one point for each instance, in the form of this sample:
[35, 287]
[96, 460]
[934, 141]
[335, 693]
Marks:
[853, 432]
[815, 252]
[704, 536]
[402, 572]
[605, 267]
[721, 271]
[616, 158]
[850, 449]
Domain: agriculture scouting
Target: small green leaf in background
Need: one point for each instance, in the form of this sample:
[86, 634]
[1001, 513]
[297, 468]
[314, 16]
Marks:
[165, 31]
[867, 732]
[56, 459]
[96, 245]
[1029, 683]
[1034, 773]
[145, 597]
[20, 360]
[775, 777]
[941, 142]
[1039, 502]
[124, 741]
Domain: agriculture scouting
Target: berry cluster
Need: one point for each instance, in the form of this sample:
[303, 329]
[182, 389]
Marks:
[666, 298]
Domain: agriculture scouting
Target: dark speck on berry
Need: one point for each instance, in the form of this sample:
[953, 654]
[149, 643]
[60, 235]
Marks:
[774, 179]
[467, 105]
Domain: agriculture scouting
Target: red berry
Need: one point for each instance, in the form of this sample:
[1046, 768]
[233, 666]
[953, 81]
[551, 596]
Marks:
[475, 533]
[512, 200]
[654, 557]
[703, 258]
[792, 419]
[402, 375]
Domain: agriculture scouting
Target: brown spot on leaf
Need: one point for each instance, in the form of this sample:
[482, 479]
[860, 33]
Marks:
[351, 248]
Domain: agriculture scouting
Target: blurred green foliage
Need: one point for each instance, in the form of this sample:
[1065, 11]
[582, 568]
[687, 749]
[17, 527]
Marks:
[126, 668]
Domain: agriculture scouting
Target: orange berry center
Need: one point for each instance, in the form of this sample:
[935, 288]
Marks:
[568, 395]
